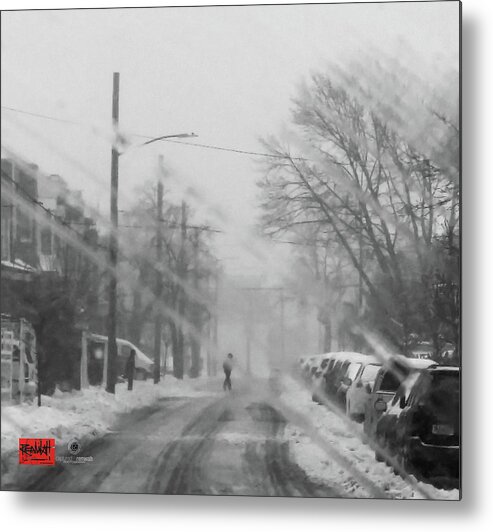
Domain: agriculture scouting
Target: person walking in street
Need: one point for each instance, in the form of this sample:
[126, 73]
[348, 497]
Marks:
[228, 368]
[130, 369]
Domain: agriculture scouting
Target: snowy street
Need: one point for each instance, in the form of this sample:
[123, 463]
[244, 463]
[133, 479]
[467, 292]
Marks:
[227, 444]
[198, 440]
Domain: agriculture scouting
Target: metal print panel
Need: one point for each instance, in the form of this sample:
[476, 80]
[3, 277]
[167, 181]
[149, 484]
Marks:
[231, 250]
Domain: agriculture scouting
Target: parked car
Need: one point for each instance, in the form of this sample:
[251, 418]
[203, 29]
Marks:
[318, 380]
[143, 364]
[360, 388]
[427, 433]
[334, 357]
[332, 375]
[389, 377]
[97, 353]
[305, 368]
[349, 370]
[336, 370]
[312, 366]
[385, 435]
[302, 361]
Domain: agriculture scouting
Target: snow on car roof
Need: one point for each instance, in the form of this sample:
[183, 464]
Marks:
[443, 369]
[419, 363]
[350, 356]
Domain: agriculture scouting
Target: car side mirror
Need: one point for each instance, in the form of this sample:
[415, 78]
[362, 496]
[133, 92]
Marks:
[380, 405]
[402, 402]
[368, 387]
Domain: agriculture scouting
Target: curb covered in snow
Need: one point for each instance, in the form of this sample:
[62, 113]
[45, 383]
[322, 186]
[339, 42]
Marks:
[338, 434]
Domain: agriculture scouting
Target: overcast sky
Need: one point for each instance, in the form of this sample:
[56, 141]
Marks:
[225, 73]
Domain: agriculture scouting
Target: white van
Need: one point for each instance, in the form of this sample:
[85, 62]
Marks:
[97, 353]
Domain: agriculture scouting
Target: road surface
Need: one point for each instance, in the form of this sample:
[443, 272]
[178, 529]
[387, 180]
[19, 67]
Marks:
[223, 444]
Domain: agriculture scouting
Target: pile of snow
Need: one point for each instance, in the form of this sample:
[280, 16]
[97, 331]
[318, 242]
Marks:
[86, 413]
[339, 433]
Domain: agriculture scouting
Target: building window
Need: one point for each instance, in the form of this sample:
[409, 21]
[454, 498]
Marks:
[24, 228]
[6, 229]
[46, 247]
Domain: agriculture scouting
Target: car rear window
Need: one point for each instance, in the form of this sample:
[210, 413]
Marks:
[341, 370]
[370, 372]
[444, 393]
[337, 365]
[352, 370]
[390, 382]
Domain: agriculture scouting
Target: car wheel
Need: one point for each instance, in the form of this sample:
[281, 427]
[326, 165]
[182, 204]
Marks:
[389, 459]
[359, 418]
[406, 463]
[379, 457]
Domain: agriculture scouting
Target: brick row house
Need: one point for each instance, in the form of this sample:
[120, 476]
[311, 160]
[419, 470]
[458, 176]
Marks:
[47, 279]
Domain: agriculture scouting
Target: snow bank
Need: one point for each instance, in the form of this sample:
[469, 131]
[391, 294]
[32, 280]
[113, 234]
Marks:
[337, 431]
[86, 413]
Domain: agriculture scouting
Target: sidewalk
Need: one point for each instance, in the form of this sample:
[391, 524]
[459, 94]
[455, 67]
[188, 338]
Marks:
[90, 412]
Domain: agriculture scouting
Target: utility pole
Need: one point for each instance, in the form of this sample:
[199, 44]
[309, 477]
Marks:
[249, 326]
[178, 353]
[283, 352]
[159, 276]
[216, 321]
[195, 310]
[113, 247]
[208, 328]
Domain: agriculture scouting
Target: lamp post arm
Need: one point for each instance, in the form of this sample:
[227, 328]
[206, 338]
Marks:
[163, 137]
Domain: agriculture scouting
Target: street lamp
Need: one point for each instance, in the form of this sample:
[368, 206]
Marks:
[156, 139]
[164, 137]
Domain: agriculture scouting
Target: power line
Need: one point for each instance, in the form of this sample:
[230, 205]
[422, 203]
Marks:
[171, 225]
[38, 115]
[197, 145]
[232, 150]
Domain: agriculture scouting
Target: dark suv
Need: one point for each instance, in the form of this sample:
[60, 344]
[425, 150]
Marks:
[427, 428]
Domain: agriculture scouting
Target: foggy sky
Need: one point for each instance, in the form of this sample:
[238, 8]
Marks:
[225, 73]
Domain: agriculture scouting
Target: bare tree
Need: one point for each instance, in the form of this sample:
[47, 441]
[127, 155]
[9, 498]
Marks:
[385, 204]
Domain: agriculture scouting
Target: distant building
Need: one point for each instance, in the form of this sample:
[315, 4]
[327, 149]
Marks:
[19, 234]
[28, 244]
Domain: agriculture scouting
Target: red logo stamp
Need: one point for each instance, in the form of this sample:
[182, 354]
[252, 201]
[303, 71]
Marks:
[37, 451]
